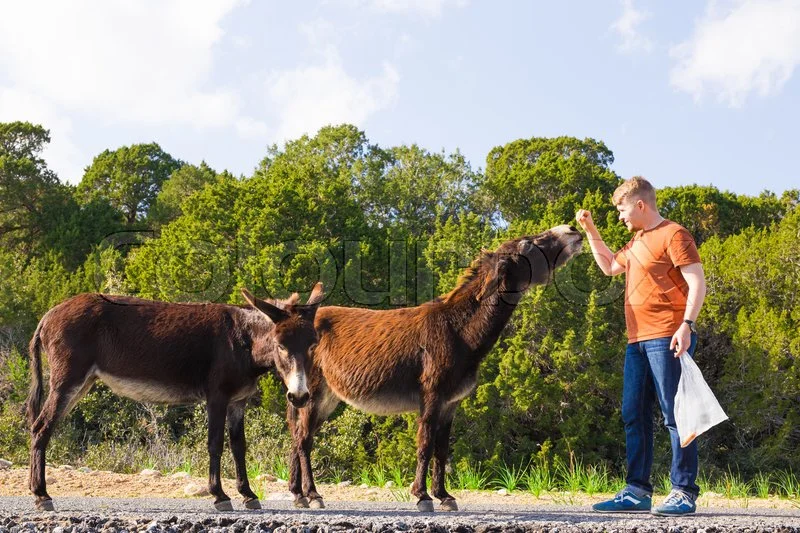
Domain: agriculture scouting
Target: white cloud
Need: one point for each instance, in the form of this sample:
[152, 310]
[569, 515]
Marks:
[318, 32]
[251, 129]
[241, 42]
[427, 9]
[143, 62]
[739, 48]
[62, 155]
[626, 27]
[310, 97]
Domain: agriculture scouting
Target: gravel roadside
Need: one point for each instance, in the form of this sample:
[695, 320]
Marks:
[76, 514]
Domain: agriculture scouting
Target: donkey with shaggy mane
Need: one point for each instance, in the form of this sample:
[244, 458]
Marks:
[169, 353]
[422, 358]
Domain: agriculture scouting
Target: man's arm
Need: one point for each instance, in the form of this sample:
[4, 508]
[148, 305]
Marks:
[603, 256]
[696, 281]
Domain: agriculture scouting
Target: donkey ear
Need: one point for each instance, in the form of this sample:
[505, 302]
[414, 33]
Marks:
[274, 313]
[293, 299]
[502, 266]
[317, 295]
[490, 284]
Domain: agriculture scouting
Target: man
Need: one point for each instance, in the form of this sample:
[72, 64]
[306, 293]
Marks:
[664, 290]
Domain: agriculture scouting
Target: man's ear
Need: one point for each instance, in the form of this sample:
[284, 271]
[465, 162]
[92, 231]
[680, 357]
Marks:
[274, 313]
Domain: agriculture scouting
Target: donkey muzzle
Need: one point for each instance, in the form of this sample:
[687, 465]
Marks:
[298, 400]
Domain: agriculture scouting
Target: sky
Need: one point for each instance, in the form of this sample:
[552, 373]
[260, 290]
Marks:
[683, 92]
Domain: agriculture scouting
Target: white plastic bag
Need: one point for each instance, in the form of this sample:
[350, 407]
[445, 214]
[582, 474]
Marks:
[696, 408]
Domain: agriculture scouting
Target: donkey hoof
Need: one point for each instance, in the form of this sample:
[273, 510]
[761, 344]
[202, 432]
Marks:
[301, 502]
[316, 503]
[448, 505]
[425, 506]
[45, 505]
[252, 504]
[224, 506]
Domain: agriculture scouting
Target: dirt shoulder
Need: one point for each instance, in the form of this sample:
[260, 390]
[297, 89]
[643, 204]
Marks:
[69, 482]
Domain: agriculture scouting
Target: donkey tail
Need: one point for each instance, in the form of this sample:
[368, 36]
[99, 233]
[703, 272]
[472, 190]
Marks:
[34, 404]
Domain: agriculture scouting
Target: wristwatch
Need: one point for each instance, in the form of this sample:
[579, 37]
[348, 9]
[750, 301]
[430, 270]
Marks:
[691, 325]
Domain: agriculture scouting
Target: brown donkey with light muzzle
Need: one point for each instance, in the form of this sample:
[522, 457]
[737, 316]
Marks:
[169, 353]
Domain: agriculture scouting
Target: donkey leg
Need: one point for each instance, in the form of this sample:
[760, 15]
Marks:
[216, 409]
[295, 468]
[65, 392]
[41, 431]
[309, 488]
[425, 439]
[311, 419]
[239, 451]
[440, 453]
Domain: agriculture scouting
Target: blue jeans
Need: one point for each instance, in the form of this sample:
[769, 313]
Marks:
[651, 373]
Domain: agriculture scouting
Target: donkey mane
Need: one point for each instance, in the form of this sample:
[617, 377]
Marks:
[475, 279]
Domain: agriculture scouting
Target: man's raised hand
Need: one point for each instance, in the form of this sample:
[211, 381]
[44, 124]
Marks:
[584, 219]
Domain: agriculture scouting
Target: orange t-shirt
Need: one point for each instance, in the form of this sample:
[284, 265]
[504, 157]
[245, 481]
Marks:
[655, 290]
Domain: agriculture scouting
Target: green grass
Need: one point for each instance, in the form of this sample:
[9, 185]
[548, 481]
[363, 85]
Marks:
[378, 475]
[570, 475]
[539, 478]
[186, 466]
[732, 486]
[398, 477]
[564, 478]
[761, 484]
[595, 479]
[470, 477]
[335, 475]
[401, 494]
[704, 482]
[616, 484]
[509, 477]
[664, 485]
[787, 485]
[279, 468]
[253, 471]
[375, 475]
[364, 477]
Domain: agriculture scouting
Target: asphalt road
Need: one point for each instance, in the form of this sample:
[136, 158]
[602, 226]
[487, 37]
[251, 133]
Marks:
[194, 515]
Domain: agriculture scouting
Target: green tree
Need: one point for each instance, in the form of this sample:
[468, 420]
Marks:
[38, 214]
[707, 211]
[529, 177]
[129, 178]
[184, 182]
[751, 322]
[31, 196]
[416, 188]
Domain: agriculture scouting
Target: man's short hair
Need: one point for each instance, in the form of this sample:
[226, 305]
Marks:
[636, 188]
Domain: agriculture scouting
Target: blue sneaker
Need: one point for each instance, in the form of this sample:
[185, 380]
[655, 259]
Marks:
[677, 503]
[624, 502]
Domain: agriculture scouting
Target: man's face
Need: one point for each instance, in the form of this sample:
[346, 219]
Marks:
[631, 213]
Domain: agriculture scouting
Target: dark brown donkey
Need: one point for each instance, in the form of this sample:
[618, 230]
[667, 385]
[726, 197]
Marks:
[169, 353]
[421, 358]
